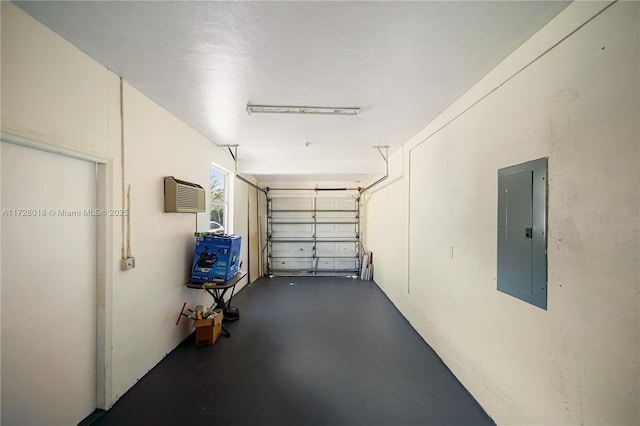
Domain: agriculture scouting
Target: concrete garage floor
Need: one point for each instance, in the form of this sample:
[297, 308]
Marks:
[306, 351]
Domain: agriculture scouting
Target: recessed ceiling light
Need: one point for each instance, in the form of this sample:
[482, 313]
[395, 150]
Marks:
[272, 109]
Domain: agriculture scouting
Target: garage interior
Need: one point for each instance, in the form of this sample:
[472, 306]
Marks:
[366, 149]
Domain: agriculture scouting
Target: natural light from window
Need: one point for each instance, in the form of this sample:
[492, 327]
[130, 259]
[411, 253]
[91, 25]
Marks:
[220, 193]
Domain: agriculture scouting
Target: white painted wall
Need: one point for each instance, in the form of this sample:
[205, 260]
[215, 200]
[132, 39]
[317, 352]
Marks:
[55, 97]
[158, 145]
[578, 104]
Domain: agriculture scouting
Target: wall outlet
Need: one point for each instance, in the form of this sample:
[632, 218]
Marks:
[128, 263]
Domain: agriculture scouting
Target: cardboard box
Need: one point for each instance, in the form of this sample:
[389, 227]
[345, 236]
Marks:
[208, 330]
[215, 259]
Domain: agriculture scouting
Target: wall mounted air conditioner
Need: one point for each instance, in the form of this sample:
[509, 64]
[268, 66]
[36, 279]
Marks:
[183, 197]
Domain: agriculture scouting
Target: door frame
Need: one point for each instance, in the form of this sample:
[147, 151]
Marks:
[104, 254]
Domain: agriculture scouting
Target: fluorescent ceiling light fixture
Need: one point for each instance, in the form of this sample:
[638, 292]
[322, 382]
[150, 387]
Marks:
[272, 109]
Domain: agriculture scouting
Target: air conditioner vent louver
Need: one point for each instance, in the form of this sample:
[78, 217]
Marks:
[183, 197]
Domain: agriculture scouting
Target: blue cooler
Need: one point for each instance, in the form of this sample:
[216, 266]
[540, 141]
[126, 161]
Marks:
[216, 259]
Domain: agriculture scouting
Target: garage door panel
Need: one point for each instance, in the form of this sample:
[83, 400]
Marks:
[326, 264]
[327, 249]
[335, 204]
[336, 265]
[347, 249]
[292, 203]
[292, 265]
[328, 228]
[336, 249]
[346, 264]
[292, 231]
[336, 231]
[293, 216]
[292, 249]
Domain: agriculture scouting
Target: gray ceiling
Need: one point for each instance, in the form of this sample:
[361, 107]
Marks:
[402, 63]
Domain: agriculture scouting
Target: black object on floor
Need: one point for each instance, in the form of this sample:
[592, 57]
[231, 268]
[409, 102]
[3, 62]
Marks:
[308, 351]
[232, 313]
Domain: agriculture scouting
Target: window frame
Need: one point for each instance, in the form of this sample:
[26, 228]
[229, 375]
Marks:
[226, 204]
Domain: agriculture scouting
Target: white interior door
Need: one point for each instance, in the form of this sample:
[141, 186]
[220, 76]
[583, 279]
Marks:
[48, 287]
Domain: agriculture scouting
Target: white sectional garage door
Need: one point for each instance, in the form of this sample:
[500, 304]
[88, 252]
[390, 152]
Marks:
[313, 233]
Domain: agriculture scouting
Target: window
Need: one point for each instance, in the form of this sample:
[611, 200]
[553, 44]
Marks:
[221, 193]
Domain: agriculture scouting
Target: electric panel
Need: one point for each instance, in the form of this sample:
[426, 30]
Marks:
[522, 234]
